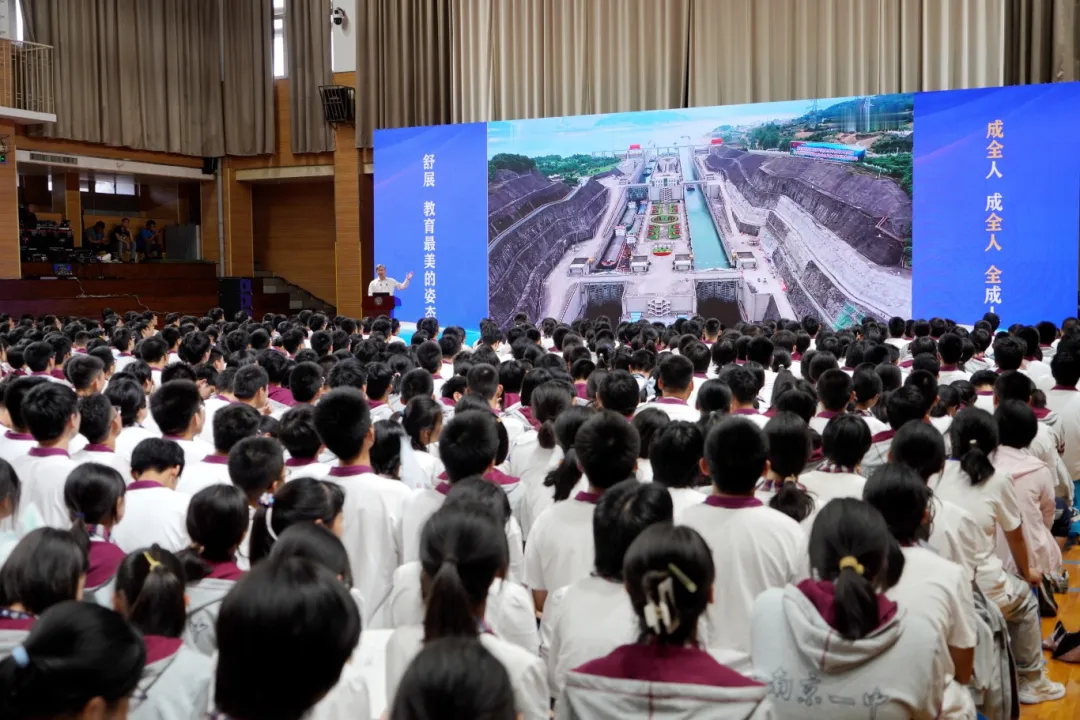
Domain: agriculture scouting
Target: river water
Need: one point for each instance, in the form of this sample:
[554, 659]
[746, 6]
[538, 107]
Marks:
[708, 252]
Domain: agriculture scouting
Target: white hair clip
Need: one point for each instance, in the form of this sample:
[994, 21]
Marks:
[658, 616]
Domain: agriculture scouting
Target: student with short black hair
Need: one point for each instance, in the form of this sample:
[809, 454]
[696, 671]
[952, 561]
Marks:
[843, 613]
[301, 441]
[559, 550]
[306, 383]
[51, 414]
[177, 408]
[86, 374]
[379, 380]
[251, 386]
[461, 554]
[100, 424]
[844, 443]
[619, 392]
[675, 455]
[277, 370]
[373, 504]
[743, 385]
[454, 677]
[790, 449]
[155, 514]
[648, 423]
[763, 543]
[675, 379]
[868, 386]
[258, 620]
[79, 661]
[593, 616]
[150, 593]
[232, 424]
[128, 397]
[835, 390]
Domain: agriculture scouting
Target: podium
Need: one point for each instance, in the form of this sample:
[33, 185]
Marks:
[380, 304]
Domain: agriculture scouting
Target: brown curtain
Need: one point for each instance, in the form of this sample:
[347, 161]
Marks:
[248, 73]
[1042, 41]
[307, 48]
[134, 74]
[403, 64]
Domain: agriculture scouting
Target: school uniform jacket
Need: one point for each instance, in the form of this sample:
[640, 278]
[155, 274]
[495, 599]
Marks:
[648, 681]
[105, 559]
[13, 633]
[204, 603]
[175, 684]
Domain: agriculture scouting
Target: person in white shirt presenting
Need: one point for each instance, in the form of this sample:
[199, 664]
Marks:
[383, 284]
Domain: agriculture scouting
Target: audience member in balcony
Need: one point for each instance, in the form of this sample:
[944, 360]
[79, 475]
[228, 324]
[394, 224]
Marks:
[122, 242]
[146, 236]
[94, 238]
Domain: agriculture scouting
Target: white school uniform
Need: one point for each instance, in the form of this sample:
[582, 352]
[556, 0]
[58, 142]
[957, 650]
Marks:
[204, 604]
[194, 450]
[306, 467]
[956, 536]
[825, 485]
[211, 406]
[424, 470]
[948, 374]
[644, 472]
[211, 470]
[898, 343]
[674, 408]
[896, 672]
[560, 550]
[1059, 396]
[526, 670]
[13, 633]
[509, 611]
[350, 698]
[878, 454]
[175, 684]
[756, 548]
[14, 445]
[153, 514]
[131, 436]
[43, 472]
[372, 533]
[103, 455]
[582, 622]
[123, 359]
[752, 415]
[984, 400]
[538, 497]
[528, 461]
[380, 411]
[682, 499]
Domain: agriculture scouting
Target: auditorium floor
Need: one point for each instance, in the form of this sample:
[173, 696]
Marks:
[1069, 613]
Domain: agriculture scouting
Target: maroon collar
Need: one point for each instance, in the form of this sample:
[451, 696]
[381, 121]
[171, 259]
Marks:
[527, 413]
[174, 438]
[448, 401]
[822, 594]
[104, 559]
[732, 503]
[221, 397]
[216, 459]
[144, 485]
[827, 414]
[796, 356]
[350, 470]
[687, 666]
[300, 462]
[671, 401]
[372, 404]
[225, 571]
[947, 368]
[159, 647]
[984, 393]
[1041, 413]
[1069, 388]
[745, 411]
[883, 436]
[12, 435]
[98, 447]
[500, 478]
[39, 451]
[443, 488]
[701, 376]
[588, 497]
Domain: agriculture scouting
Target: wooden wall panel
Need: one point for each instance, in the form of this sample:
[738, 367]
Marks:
[9, 208]
[209, 223]
[293, 227]
[239, 257]
[72, 203]
[350, 285]
[74, 147]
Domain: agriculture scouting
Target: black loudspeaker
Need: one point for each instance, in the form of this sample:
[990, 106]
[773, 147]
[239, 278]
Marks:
[234, 295]
[209, 165]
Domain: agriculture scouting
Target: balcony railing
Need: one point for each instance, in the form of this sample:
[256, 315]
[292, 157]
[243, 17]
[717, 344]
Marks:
[26, 76]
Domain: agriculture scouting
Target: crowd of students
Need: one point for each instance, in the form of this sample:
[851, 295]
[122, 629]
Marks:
[207, 517]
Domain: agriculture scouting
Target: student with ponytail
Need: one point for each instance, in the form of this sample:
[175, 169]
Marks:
[532, 450]
[217, 522]
[461, 553]
[422, 420]
[669, 575]
[94, 495]
[150, 593]
[877, 660]
[648, 423]
[303, 500]
[971, 481]
[80, 661]
[563, 476]
[47, 567]
[790, 447]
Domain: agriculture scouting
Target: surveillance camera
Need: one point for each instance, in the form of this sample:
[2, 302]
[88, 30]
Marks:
[337, 17]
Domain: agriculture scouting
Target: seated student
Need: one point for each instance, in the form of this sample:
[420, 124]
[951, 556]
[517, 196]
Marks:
[231, 425]
[761, 544]
[1033, 485]
[277, 370]
[150, 593]
[429, 357]
[669, 577]
[648, 422]
[100, 424]
[580, 372]
[904, 405]
[301, 500]
[454, 677]
[929, 585]
[257, 467]
[483, 381]
[86, 374]
[17, 440]
[78, 661]
[41, 361]
[560, 548]
[790, 447]
[177, 410]
[971, 481]
[873, 655]
[416, 383]
[250, 387]
[620, 392]
[222, 397]
[844, 442]
[306, 383]
[1065, 368]
[675, 379]
[868, 387]
[47, 567]
[259, 620]
[373, 504]
[155, 514]
[675, 455]
[297, 434]
[531, 451]
[462, 552]
[593, 616]
[94, 495]
[217, 522]
[379, 379]
[950, 349]
[51, 413]
[1049, 432]
[562, 475]
[834, 393]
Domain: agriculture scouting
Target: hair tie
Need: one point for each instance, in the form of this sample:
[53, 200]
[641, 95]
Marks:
[154, 563]
[78, 516]
[973, 442]
[266, 500]
[791, 479]
[850, 561]
[20, 656]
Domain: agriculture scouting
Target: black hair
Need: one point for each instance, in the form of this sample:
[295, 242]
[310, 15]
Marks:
[217, 519]
[622, 513]
[77, 652]
[303, 500]
[379, 379]
[385, 454]
[305, 381]
[454, 677]
[258, 619]
[974, 436]
[846, 440]
[849, 528]
[567, 474]
[91, 493]
[96, 415]
[420, 414]
[174, 404]
[37, 355]
[675, 454]
[904, 405]
[127, 395]
[81, 370]
[902, 498]
[547, 402]
[1065, 367]
[10, 486]
[648, 563]
[1016, 424]
[607, 448]
[919, 446]
[248, 380]
[255, 464]
[619, 392]
[152, 581]
[342, 419]
[1009, 353]
[648, 423]
[296, 432]
[43, 569]
[47, 408]
[103, 354]
[469, 444]
[741, 382]
[460, 553]
[156, 454]
[834, 388]
[736, 451]
[1013, 385]
[713, 399]
[316, 543]
[676, 373]
[867, 385]
[233, 423]
[415, 383]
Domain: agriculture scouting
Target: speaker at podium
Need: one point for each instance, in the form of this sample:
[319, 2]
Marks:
[380, 304]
